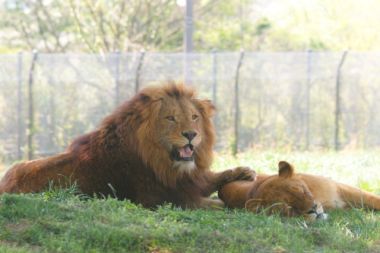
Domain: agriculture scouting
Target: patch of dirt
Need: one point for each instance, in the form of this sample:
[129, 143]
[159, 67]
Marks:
[18, 227]
[13, 245]
[158, 250]
[375, 248]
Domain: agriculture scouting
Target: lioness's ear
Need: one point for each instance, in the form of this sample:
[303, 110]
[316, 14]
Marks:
[205, 106]
[254, 205]
[285, 169]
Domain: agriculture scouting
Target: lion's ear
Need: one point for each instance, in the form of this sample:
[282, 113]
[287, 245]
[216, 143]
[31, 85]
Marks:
[205, 106]
[254, 205]
[144, 98]
[285, 169]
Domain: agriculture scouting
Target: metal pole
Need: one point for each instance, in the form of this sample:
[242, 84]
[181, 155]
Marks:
[117, 78]
[19, 106]
[138, 71]
[53, 124]
[188, 38]
[31, 126]
[308, 87]
[235, 145]
[187, 68]
[337, 101]
[214, 83]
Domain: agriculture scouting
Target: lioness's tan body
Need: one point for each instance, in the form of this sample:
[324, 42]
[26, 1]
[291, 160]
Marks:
[327, 192]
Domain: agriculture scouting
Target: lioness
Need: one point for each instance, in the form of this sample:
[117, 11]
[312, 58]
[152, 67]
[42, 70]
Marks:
[293, 194]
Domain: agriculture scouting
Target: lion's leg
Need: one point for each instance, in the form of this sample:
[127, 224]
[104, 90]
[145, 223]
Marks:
[21, 179]
[217, 180]
[35, 176]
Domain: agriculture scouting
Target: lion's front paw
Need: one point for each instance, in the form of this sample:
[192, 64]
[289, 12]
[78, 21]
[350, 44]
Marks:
[243, 173]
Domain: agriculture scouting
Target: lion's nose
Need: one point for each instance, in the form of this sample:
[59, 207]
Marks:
[189, 135]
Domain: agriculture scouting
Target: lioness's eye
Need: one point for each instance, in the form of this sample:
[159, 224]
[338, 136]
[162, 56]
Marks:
[195, 117]
[170, 118]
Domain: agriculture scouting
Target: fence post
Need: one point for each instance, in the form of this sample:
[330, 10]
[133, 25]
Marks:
[308, 87]
[52, 142]
[117, 78]
[31, 125]
[337, 101]
[235, 143]
[138, 70]
[188, 67]
[19, 106]
[214, 83]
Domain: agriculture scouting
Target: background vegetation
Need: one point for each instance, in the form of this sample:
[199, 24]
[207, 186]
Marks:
[255, 25]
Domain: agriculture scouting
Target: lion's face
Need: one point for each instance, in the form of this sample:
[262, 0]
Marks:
[286, 194]
[176, 133]
[180, 128]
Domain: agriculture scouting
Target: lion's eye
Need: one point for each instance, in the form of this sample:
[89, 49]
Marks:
[170, 118]
[194, 117]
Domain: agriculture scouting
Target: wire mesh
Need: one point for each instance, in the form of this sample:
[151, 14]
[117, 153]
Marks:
[287, 99]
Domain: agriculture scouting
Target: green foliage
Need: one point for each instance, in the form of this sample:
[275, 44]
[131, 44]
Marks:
[228, 26]
[111, 25]
[95, 26]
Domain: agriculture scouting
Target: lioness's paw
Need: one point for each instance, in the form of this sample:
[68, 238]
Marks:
[243, 173]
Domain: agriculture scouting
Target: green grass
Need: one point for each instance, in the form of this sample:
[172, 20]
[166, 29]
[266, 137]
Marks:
[60, 221]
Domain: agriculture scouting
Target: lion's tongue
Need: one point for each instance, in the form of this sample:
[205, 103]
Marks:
[185, 152]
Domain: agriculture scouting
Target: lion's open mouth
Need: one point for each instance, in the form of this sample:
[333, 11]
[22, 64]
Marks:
[184, 153]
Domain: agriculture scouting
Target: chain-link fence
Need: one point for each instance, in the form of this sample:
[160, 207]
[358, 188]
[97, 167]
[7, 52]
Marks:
[303, 100]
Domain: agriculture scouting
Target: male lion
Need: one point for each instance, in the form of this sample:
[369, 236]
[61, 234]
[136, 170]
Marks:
[153, 149]
[292, 194]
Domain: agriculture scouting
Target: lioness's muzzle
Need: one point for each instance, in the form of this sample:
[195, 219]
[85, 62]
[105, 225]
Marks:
[316, 213]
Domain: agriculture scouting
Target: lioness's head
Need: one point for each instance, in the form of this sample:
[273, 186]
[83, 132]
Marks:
[174, 130]
[286, 194]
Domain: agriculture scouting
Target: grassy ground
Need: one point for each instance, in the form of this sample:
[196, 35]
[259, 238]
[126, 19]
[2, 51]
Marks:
[60, 221]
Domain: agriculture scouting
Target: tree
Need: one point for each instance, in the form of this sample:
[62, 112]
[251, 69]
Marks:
[111, 25]
[36, 24]
[119, 25]
[102, 25]
[229, 25]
